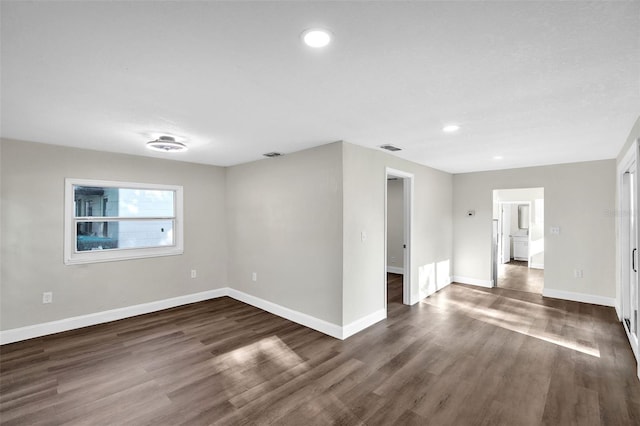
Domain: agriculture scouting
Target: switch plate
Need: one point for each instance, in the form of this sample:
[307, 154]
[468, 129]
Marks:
[555, 230]
[577, 273]
[47, 297]
[194, 273]
[363, 236]
[254, 277]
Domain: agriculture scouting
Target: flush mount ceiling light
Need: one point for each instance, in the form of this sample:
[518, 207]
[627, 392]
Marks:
[273, 154]
[166, 144]
[451, 128]
[316, 37]
[390, 147]
[498, 157]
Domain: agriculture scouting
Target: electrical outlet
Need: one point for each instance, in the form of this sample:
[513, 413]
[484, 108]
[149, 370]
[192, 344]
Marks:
[47, 297]
[577, 273]
[254, 277]
[194, 273]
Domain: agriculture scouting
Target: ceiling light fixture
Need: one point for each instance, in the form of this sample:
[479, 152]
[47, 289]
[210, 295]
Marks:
[273, 154]
[166, 144]
[390, 147]
[316, 37]
[451, 128]
[498, 157]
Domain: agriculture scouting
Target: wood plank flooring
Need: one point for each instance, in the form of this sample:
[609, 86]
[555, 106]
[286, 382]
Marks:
[464, 356]
[516, 275]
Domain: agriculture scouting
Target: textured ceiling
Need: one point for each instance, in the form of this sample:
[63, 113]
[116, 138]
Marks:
[534, 82]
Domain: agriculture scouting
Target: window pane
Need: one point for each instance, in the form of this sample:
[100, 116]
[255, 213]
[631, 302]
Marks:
[119, 234]
[92, 201]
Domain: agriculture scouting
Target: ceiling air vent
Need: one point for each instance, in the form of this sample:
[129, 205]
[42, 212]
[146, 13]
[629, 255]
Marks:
[273, 154]
[391, 148]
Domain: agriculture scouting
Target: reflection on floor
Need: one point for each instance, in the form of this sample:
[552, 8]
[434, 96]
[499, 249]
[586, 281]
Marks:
[516, 275]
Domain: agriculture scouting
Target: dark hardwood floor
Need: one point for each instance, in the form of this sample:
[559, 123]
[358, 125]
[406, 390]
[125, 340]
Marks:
[516, 275]
[464, 356]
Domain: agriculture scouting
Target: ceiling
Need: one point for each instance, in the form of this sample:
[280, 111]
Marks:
[533, 82]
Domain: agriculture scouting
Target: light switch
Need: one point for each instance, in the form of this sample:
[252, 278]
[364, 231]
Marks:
[363, 236]
[555, 230]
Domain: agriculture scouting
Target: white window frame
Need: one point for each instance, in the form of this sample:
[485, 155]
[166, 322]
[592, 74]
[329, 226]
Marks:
[72, 256]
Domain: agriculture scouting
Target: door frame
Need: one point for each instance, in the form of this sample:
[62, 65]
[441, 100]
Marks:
[496, 260]
[501, 228]
[407, 282]
[628, 163]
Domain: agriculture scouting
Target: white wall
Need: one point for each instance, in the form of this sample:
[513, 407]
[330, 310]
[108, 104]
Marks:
[32, 191]
[395, 224]
[536, 218]
[364, 262]
[285, 224]
[578, 199]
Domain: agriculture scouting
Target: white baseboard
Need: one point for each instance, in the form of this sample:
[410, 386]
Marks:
[43, 329]
[536, 265]
[333, 330]
[579, 297]
[322, 326]
[395, 269]
[362, 323]
[473, 281]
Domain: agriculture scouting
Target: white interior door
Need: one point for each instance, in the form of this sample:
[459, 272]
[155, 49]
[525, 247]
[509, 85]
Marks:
[629, 225]
[505, 232]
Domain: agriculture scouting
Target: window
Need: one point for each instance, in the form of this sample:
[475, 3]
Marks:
[107, 221]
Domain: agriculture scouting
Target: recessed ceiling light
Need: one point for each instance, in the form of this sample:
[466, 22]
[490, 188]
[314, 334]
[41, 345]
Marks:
[498, 157]
[450, 128]
[166, 144]
[316, 37]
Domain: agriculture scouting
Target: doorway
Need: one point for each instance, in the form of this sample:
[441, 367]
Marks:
[518, 239]
[398, 217]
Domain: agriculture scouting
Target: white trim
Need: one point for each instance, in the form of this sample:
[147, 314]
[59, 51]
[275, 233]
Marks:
[633, 342]
[43, 329]
[52, 327]
[322, 326]
[623, 234]
[395, 269]
[473, 281]
[365, 322]
[579, 297]
[536, 265]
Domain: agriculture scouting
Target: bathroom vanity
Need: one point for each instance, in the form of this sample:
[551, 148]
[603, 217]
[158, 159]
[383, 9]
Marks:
[520, 247]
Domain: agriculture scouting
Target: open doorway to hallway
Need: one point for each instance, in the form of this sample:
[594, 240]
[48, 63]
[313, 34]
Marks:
[398, 211]
[518, 239]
